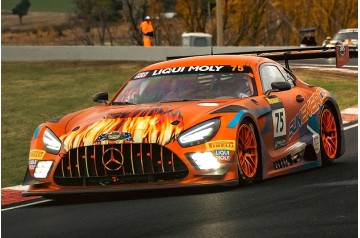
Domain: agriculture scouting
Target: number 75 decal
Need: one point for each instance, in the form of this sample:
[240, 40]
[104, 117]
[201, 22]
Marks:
[279, 123]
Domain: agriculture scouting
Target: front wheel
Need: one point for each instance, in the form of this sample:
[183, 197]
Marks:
[247, 153]
[329, 136]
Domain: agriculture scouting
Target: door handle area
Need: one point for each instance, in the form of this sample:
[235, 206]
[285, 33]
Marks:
[300, 98]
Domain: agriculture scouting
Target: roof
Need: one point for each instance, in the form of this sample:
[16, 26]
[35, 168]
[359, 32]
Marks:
[198, 34]
[348, 30]
[209, 60]
[307, 30]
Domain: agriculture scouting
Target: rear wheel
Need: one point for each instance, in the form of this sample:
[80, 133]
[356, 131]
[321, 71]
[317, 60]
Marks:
[329, 136]
[247, 153]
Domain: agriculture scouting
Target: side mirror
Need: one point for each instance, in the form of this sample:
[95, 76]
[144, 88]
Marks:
[281, 86]
[278, 86]
[101, 97]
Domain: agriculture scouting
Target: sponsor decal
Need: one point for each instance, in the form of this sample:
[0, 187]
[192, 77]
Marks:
[220, 145]
[316, 143]
[222, 155]
[204, 68]
[195, 69]
[278, 143]
[114, 136]
[32, 164]
[36, 154]
[273, 100]
[342, 50]
[316, 139]
[279, 125]
[141, 75]
[279, 121]
[168, 71]
[313, 104]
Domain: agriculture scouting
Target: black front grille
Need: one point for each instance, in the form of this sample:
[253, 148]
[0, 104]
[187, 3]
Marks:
[119, 164]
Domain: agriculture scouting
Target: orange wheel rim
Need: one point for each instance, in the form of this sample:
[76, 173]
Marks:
[329, 133]
[247, 151]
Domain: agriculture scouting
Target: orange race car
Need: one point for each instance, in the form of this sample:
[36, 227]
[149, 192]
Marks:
[204, 120]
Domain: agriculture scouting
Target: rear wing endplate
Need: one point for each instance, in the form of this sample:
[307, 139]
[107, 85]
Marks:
[342, 53]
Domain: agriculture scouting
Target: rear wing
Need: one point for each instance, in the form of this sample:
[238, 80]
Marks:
[342, 53]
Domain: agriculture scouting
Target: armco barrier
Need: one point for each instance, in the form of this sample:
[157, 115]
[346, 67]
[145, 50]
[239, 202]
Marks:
[127, 53]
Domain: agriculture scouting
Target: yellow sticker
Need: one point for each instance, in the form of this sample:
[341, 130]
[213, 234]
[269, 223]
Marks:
[273, 100]
[36, 154]
[221, 145]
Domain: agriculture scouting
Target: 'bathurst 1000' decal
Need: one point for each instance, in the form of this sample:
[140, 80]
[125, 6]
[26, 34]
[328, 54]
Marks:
[279, 121]
[313, 104]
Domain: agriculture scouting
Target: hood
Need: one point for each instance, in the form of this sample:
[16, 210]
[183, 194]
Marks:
[150, 123]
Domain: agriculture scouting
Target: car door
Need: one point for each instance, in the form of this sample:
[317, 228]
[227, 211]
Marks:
[284, 105]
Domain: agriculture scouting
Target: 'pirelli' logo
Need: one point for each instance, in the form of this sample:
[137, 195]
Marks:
[36, 154]
[220, 145]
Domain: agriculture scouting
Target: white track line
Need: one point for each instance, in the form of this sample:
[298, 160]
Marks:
[351, 126]
[25, 205]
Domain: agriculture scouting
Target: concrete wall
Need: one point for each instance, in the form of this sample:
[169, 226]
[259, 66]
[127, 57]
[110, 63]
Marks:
[127, 53]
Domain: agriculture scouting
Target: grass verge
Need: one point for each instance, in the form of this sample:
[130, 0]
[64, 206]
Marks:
[342, 84]
[33, 92]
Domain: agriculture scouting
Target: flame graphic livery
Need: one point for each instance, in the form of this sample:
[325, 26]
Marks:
[149, 125]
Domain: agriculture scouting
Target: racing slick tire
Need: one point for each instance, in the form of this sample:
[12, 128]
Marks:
[248, 153]
[329, 133]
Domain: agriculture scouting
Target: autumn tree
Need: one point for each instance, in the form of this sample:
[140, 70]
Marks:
[166, 30]
[277, 22]
[135, 11]
[244, 23]
[106, 12]
[258, 22]
[330, 16]
[193, 14]
[98, 14]
[326, 16]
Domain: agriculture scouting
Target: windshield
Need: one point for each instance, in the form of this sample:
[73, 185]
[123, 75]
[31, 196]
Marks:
[182, 84]
[348, 35]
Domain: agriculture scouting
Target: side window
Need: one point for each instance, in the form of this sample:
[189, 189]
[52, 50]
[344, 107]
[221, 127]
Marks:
[270, 74]
[288, 76]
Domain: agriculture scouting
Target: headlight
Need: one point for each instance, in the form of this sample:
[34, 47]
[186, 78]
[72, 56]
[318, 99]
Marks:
[205, 160]
[51, 143]
[200, 133]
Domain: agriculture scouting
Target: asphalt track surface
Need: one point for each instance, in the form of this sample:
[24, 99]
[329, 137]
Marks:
[316, 203]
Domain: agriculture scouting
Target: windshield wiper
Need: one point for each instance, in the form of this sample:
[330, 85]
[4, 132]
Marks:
[180, 100]
[123, 103]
